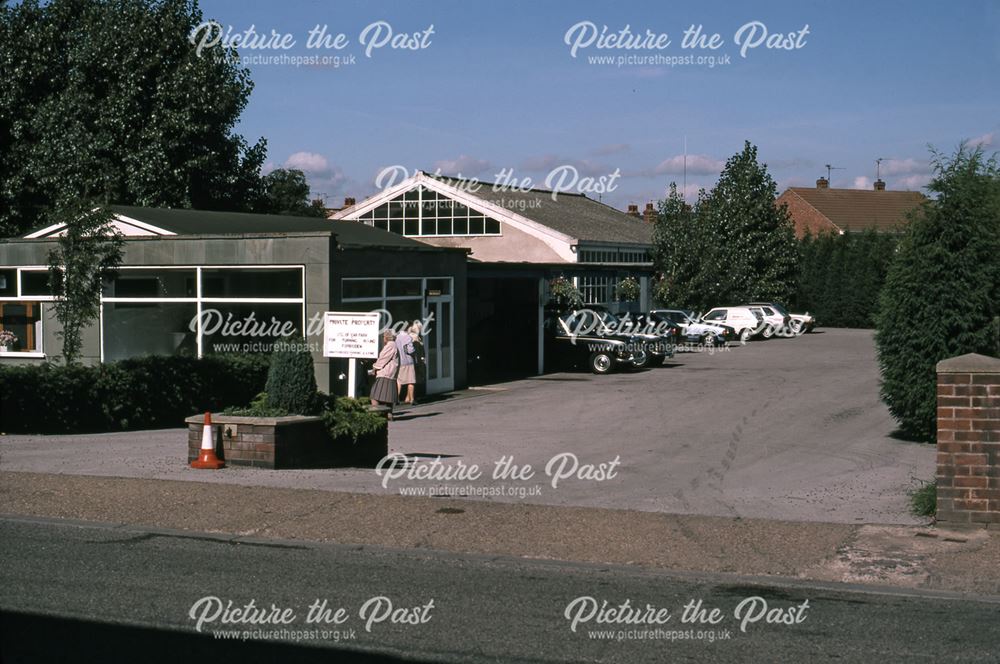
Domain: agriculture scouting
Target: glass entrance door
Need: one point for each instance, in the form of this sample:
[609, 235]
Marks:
[439, 341]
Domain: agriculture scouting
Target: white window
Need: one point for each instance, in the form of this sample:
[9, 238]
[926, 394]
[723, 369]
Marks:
[202, 310]
[24, 292]
[423, 212]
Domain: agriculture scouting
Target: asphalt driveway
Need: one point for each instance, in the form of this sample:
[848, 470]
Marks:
[783, 429]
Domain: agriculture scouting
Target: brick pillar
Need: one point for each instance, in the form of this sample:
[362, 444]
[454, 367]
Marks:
[968, 441]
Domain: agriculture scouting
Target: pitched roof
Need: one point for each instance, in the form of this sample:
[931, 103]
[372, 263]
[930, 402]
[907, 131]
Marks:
[574, 215]
[176, 221]
[858, 209]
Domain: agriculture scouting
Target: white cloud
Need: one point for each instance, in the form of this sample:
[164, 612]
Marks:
[984, 141]
[895, 166]
[862, 182]
[308, 162]
[463, 165]
[549, 162]
[697, 164]
[913, 182]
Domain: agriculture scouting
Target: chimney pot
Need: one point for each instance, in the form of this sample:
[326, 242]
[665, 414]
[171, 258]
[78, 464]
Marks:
[879, 185]
[822, 183]
[633, 210]
[348, 202]
[649, 214]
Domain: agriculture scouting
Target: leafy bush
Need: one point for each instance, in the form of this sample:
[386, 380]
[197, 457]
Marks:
[942, 292]
[141, 393]
[923, 500]
[346, 417]
[291, 381]
[259, 407]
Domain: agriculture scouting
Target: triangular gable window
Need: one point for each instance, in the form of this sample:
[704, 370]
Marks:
[425, 212]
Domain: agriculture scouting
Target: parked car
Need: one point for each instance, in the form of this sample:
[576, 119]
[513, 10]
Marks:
[569, 344]
[774, 322]
[660, 340]
[597, 319]
[746, 323]
[798, 322]
[691, 329]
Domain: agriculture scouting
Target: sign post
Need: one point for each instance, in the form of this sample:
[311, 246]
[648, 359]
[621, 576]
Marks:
[351, 335]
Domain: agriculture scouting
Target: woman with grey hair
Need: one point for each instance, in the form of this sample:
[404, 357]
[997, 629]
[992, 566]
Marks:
[385, 369]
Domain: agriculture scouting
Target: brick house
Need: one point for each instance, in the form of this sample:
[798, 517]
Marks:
[826, 210]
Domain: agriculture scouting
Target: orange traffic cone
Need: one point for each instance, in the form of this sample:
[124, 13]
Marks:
[207, 458]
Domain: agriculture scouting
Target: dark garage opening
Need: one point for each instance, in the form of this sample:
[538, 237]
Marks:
[503, 328]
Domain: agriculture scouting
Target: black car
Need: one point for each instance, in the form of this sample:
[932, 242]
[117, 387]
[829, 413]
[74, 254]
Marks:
[573, 341]
[662, 337]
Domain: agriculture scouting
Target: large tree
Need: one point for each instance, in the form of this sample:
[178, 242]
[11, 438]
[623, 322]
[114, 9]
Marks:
[734, 245]
[286, 191]
[942, 293]
[108, 99]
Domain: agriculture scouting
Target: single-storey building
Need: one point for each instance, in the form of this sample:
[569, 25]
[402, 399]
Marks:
[518, 241]
[839, 211]
[197, 283]
[473, 261]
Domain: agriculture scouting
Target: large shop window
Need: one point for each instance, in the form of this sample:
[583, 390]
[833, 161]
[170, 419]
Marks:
[134, 329]
[424, 212]
[23, 320]
[201, 310]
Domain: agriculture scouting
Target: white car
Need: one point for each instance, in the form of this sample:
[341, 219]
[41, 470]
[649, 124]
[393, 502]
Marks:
[799, 323]
[741, 319]
[774, 322]
[692, 330]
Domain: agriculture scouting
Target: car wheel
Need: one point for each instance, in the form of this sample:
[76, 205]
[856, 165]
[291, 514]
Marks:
[768, 331]
[641, 359]
[745, 334]
[796, 326]
[601, 362]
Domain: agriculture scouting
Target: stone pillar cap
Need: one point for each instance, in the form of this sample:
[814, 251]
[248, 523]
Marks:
[969, 363]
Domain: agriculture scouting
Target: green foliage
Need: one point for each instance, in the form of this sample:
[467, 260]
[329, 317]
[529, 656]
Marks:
[259, 407]
[923, 500]
[287, 192]
[108, 99]
[734, 245]
[351, 418]
[942, 291]
[142, 393]
[89, 252]
[564, 294]
[841, 276]
[291, 381]
[628, 289]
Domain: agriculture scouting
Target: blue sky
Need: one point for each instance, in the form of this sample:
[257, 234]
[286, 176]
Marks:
[496, 87]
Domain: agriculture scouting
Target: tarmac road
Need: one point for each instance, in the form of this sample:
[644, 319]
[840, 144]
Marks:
[783, 429]
[92, 592]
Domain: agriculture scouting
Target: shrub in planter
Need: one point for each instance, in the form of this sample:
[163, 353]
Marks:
[628, 289]
[291, 381]
[351, 418]
[564, 295]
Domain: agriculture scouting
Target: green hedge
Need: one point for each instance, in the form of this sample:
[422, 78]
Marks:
[143, 393]
[841, 276]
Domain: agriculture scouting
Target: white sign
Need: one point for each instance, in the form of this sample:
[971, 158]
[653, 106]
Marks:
[350, 334]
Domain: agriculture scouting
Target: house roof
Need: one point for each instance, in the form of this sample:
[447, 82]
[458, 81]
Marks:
[574, 215]
[858, 209]
[174, 221]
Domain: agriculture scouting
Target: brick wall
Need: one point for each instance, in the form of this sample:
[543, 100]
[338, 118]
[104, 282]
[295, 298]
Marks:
[968, 441]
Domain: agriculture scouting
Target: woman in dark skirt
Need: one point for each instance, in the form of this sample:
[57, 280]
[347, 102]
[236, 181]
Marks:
[385, 369]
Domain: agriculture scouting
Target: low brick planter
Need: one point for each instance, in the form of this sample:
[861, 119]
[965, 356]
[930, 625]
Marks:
[295, 441]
